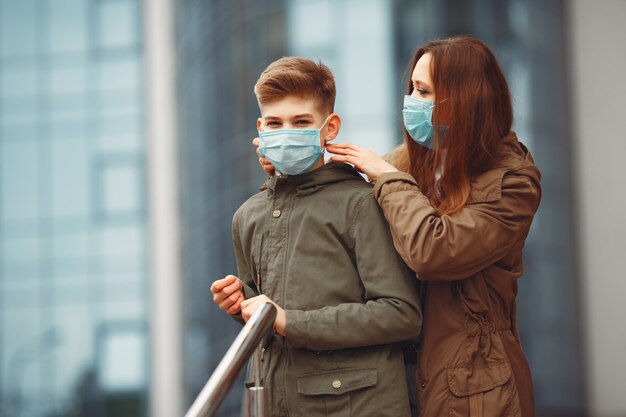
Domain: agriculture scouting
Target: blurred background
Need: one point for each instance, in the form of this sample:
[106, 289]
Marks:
[125, 131]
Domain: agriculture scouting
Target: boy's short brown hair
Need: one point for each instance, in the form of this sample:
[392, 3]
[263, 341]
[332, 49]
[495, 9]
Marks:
[298, 77]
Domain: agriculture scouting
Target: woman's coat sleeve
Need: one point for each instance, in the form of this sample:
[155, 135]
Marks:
[451, 247]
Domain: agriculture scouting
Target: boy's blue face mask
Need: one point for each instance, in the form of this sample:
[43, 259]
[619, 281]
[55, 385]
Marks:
[418, 120]
[291, 151]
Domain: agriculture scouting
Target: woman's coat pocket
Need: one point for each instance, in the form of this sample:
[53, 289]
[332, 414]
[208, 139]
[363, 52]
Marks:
[481, 391]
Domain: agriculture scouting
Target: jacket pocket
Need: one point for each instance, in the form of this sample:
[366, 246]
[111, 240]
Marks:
[329, 393]
[480, 391]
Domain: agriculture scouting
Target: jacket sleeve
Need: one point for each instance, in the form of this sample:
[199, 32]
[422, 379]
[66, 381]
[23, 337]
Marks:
[245, 270]
[391, 309]
[451, 247]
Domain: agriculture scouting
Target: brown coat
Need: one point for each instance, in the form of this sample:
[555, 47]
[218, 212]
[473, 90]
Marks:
[470, 361]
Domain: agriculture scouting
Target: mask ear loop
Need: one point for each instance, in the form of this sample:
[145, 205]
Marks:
[440, 103]
[320, 130]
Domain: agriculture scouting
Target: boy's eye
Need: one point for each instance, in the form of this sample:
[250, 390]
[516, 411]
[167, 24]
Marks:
[303, 122]
[272, 124]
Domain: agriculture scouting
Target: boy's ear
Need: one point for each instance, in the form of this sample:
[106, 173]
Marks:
[259, 124]
[332, 127]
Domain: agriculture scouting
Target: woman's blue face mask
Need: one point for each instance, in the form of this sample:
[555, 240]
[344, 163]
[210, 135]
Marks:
[291, 151]
[418, 120]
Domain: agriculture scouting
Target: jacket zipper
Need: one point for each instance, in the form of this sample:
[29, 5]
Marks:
[257, 282]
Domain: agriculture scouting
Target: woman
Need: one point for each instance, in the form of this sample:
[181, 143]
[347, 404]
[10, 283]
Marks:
[460, 197]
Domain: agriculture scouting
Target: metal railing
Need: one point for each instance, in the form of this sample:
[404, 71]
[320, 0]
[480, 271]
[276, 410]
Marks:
[219, 384]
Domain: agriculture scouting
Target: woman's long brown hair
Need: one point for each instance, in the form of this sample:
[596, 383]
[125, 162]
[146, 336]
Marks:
[474, 102]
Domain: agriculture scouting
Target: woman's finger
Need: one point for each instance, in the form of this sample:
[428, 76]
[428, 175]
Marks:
[344, 145]
[340, 158]
[353, 159]
[355, 153]
[338, 151]
[347, 151]
[349, 159]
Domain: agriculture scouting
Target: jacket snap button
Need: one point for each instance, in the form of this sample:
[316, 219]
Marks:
[276, 214]
[336, 384]
[423, 385]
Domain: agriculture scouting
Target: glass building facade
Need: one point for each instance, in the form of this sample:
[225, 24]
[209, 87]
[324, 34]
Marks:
[73, 333]
[75, 244]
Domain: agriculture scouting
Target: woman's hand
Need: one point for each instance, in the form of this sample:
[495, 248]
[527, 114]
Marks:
[249, 306]
[265, 164]
[365, 161]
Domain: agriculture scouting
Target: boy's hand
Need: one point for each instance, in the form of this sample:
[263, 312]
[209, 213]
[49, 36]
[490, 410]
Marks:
[249, 306]
[227, 294]
[265, 164]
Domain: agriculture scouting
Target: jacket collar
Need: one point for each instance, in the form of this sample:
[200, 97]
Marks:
[312, 181]
[514, 157]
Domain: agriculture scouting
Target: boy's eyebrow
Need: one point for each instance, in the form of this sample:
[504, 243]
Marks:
[295, 116]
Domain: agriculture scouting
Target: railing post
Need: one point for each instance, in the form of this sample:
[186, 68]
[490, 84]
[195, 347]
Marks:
[217, 387]
[256, 402]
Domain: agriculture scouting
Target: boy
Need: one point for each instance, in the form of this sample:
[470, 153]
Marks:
[316, 245]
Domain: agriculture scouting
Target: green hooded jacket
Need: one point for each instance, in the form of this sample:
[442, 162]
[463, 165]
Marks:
[318, 245]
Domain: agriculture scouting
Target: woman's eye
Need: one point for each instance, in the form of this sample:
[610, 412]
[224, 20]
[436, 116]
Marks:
[420, 90]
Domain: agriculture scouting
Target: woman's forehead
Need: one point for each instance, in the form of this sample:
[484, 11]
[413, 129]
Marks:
[421, 72]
